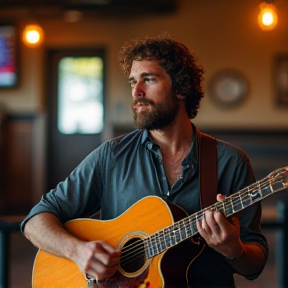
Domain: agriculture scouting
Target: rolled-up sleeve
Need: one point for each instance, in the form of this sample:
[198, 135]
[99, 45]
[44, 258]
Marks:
[79, 195]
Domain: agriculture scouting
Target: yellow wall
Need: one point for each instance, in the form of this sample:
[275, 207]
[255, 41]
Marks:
[224, 34]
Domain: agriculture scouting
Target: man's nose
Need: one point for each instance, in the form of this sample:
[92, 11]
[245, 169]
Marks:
[138, 91]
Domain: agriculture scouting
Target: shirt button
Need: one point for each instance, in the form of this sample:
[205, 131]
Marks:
[149, 144]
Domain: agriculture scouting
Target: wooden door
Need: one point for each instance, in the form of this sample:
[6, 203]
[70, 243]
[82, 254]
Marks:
[71, 135]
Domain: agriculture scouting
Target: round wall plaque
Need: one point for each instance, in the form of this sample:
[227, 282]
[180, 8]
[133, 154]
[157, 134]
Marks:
[228, 88]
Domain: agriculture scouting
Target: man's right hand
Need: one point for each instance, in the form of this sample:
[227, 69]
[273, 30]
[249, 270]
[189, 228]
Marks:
[97, 259]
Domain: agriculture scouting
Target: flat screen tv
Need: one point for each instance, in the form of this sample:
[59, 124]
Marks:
[8, 66]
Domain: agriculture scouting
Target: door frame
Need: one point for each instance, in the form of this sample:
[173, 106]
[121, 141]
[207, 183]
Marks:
[53, 56]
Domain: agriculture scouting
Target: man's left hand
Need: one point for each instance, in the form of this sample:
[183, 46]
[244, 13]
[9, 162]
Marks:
[220, 233]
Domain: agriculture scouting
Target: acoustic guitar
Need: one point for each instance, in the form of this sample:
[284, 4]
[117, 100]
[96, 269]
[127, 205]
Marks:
[151, 235]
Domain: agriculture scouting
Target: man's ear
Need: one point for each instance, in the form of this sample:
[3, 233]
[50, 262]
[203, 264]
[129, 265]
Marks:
[181, 97]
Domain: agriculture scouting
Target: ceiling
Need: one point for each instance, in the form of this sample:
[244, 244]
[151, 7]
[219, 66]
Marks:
[94, 6]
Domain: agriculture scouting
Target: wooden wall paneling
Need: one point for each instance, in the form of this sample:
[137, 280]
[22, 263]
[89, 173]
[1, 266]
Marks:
[2, 164]
[18, 158]
[39, 160]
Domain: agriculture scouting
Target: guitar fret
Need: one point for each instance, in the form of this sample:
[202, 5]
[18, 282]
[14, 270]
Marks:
[178, 235]
[199, 215]
[155, 245]
[149, 247]
[256, 195]
[238, 204]
[187, 228]
[162, 242]
[172, 237]
[190, 227]
[159, 247]
[266, 190]
[246, 198]
[183, 233]
[194, 226]
[228, 207]
[167, 237]
[219, 207]
[250, 197]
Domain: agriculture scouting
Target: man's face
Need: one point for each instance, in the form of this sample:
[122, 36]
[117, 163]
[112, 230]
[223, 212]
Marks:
[154, 104]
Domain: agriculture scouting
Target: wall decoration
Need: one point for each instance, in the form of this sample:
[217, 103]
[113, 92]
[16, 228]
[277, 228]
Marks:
[8, 59]
[281, 80]
[228, 88]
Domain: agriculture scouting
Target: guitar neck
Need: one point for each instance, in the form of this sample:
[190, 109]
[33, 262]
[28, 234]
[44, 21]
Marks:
[186, 228]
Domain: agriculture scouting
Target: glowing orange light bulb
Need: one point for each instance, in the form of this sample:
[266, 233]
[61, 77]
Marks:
[267, 18]
[33, 35]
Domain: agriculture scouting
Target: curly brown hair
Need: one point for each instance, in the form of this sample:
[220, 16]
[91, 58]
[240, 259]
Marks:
[176, 59]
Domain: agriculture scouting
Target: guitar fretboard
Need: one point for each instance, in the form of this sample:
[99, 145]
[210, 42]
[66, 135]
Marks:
[186, 228]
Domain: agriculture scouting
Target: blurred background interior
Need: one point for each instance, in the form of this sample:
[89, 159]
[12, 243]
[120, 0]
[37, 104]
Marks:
[61, 98]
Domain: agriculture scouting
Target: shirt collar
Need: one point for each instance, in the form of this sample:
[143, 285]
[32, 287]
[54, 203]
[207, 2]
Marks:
[192, 157]
[145, 136]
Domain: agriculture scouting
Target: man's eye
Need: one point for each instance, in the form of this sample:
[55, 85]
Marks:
[149, 80]
[132, 84]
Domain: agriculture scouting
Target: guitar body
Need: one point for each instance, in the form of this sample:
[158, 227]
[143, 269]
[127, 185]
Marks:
[168, 269]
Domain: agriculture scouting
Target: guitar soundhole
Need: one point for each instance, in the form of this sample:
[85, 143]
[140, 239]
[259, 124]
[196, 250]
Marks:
[133, 255]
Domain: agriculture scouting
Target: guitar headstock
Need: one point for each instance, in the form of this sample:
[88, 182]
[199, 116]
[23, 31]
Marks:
[278, 179]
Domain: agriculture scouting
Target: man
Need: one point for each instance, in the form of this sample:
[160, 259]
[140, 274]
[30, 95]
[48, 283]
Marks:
[159, 158]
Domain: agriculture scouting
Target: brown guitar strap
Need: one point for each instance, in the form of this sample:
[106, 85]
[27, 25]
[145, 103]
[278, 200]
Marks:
[208, 170]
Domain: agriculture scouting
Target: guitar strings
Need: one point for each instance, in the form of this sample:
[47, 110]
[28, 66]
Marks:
[163, 236]
[239, 198]
[245, 193]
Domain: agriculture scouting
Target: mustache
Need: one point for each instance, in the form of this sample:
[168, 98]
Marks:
[142, 101]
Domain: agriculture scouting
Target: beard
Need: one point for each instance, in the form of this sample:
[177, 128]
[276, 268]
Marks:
[160, 116]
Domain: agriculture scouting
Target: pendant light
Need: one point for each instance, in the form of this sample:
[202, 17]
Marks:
[267, 18]
[33, 35]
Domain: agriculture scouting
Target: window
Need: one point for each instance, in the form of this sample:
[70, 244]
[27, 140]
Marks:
[80, 101]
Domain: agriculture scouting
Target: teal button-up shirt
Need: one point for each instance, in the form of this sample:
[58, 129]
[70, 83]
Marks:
[122, 171]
